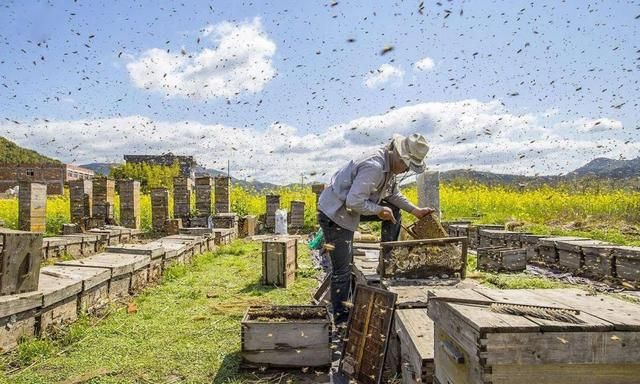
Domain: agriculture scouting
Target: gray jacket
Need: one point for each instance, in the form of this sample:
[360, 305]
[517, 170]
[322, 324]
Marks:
[359, 187]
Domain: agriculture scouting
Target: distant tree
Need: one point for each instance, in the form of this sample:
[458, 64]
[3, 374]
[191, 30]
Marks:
[149, 175]
[11, 153]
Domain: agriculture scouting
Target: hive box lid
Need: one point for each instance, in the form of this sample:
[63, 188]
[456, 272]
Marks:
[90, 277]
[154, 251]
[171, 248]
[13, 304]
[55, 241]
[118, 263]
[554, 240]
[57, 288]
[576, 245]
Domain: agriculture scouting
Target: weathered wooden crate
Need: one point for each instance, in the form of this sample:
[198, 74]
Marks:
[95, 284]
[130, 203]
[570, 254]
[182, 198]
[155, 252]
[247, 226]
[80, 200]
[174, 252]
[223, 236]
[514, 239]
[159, 208]
[104, 196]
[59, 303]
[502, 259]
[531, 244]
[627, 261]
[32, 206]
[195, 244]
[18, 315]
[286, 336]
[83, 244]
[54, 247]
[20, 258]
[129, 273]
[204, 190]
[415, 333]
[423, 259]
[226, 221]
[297, 214]
[273, 204]
[474, 344]
[548, 249]
[498, 238]
[599, 261]
[279, 261]
[223, 194]
[474, 233]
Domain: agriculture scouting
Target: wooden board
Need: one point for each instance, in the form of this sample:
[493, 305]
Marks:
[153, 250]
[418, 296]
[367, 334]
[56, 289]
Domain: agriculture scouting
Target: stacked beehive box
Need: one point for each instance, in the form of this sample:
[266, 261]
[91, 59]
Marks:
[104, 195]
[130, 203]
[182, 198]
[549, 251]
[203, 188]
[226, 221]
[159, 208]
[317, 190]
[279, 261]
[297, 214]
[530, 243]
[20, 257]
[246, 226]
[502, 259]
[80, 200]
[571, 255]
[598, 260]
[32, 203]
[627, 260]
[273, 204]
[223, 194]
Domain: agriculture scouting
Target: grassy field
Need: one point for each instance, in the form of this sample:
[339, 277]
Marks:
[186, 329]
[607, 214]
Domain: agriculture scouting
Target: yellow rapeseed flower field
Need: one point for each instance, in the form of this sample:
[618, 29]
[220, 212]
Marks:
[612, 215]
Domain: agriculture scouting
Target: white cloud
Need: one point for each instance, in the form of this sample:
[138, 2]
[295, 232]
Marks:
[425, 64]
[383, 75]
[240, 62]
[462, 134]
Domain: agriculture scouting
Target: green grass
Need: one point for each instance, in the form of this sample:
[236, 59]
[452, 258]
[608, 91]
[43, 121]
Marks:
[186, 329]
[510, 280]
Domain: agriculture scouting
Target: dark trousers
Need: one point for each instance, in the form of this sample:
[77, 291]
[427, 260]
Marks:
[342, 256]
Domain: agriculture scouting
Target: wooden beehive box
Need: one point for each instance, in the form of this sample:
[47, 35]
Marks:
[18, 318]
[286, 336]
[159, 208]
[32, 206]
[104, 192]
[474, 344]
[570, 254]
[598, 261]
[222, 194]
[129, 273]
[514, 239]
[273, 204]
[548, 249]
[497, 238]
[226, 221]
[531, 244]
[414, 330]
[297, 214]
[153, 251]
[80, 200]
[502, 259]
[627, 261]
[20, 258]
[247, 226]
[130, 203]
[423, 259]
[474, 233]
[279, 257]
[59, 302]
[95, 284]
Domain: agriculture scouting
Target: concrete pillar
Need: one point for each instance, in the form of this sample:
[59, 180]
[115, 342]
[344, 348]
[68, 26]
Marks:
[428, 184]
[80, 200]
[223, 194]
[182, 198]
[273, 204]
[159, 208]
[130, 203]
[32, 206]
[104, 197]
[204, 186]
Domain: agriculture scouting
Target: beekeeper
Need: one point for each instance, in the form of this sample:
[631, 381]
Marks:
[365, 190]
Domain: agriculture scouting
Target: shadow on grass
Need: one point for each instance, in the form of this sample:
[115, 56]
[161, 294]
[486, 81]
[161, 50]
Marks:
[229, 369]
[257, 288]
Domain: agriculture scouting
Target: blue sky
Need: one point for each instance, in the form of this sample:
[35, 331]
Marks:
[288, 87]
